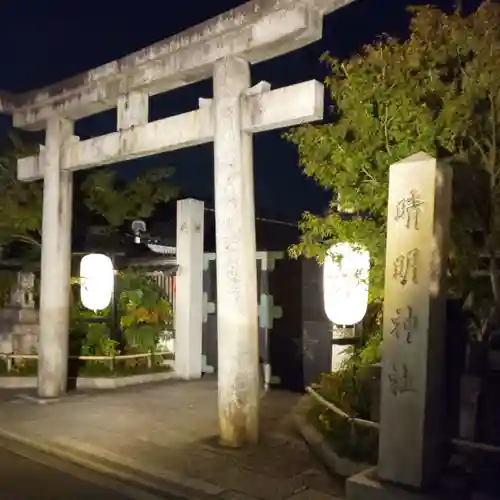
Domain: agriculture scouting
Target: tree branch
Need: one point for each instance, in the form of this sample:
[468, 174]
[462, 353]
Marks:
[493, 149]
[370, 176]
[386, 133]
[495, 283]
[481, 150]
[26, 239]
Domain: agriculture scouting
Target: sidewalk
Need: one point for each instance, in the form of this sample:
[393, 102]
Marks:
[164, 436]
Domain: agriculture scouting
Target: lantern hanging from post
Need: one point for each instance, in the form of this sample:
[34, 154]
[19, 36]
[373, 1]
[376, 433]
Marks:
[345, 283]
[97, 281]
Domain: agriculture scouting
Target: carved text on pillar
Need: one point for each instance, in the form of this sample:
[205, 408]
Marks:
[404, 323]
[405, 267]
[400, 380]
[408, 210]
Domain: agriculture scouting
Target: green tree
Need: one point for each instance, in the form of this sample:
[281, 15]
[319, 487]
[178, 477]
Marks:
[120, 201]
[439, 92]
[103, 193]
[20, 202]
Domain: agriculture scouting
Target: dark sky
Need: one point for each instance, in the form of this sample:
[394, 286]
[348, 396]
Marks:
[44, 41]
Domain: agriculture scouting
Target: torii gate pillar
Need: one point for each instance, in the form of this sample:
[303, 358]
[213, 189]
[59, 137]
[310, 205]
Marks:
[56, 263]
[237, 328]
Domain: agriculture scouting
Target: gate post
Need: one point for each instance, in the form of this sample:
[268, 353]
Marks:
[55, 264]
[189, 289]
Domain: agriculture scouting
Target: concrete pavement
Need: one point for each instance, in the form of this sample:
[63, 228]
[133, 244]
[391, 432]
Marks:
[29, 475]
[164, 436]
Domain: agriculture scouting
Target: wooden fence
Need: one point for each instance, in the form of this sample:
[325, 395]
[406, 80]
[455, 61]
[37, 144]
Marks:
[166, 282]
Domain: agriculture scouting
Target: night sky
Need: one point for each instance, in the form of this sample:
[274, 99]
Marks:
[42, 42]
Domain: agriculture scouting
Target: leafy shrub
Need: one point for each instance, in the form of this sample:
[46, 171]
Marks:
[144, 315]
[349, 390]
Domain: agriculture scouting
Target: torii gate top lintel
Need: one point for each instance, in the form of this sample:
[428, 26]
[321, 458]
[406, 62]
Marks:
[258, 30]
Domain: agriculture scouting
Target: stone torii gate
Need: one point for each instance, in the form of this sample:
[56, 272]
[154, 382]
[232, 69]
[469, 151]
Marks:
[222, 48]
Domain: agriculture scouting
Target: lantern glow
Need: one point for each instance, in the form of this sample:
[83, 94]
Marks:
[97, 280]
[345, 284]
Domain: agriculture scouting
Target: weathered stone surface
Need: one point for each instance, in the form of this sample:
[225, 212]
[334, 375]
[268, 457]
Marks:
[25, 338]
[19, 319]
[55, 263]
[258, 30]
[414, 321]
[189, 288]
[22, 294]
[237, 321]
[262, 112]
[14, 315]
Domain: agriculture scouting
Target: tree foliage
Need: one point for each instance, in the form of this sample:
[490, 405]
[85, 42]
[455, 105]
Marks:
[118, 201]
[103, 193]
[20, 202]
[438, 92]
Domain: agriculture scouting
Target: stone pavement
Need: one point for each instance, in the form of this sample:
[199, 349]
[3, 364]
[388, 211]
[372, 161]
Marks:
[165, 434]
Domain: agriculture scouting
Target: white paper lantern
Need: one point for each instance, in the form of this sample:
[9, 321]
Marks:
[97, 281]
[345, 284]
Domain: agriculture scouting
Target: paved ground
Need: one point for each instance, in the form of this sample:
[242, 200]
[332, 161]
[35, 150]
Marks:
[168, 432]
[28, 475]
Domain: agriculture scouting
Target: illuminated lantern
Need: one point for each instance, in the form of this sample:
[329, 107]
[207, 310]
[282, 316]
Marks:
[97, 281]
[345, 284]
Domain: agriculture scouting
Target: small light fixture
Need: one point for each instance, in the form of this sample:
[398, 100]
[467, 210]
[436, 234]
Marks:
[138, 229]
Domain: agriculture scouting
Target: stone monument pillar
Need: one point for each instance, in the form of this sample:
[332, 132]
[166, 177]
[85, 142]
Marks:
[414, 321]
[412, 391]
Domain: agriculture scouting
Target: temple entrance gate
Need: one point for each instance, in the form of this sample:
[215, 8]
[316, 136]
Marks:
[222, 48]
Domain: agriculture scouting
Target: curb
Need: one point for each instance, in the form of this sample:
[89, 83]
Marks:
[165, 483]
[12, 382]
[337, 466]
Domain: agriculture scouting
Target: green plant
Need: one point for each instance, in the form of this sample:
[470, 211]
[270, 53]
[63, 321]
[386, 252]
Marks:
[118, 201]
[144, 312]
[437, 92]
[115, 200]
[350, 441]
[97, 341]
[350, 391]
